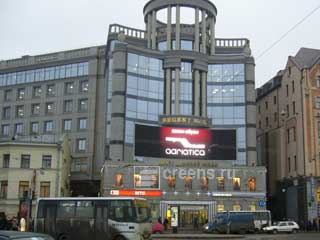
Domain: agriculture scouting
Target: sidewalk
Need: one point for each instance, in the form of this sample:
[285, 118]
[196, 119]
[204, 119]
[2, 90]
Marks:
[196, 236]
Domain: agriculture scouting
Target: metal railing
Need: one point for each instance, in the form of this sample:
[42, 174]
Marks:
[130, 32]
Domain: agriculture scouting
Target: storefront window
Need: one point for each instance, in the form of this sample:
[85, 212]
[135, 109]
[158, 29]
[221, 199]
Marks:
[253, 207]
[204, 182]
[220, 183]
[188, 182]
[220, 208]
[119, 180]
[318, 194]
[171, 181]
[236, 184]
[252, 184]
[236, 207]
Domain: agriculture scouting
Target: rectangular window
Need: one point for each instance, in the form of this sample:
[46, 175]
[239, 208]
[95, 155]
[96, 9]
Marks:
[266, 104]
[293, 107]
[81, 145]
[292, 86]
[4, 189]
[37, 91]
[21, 93]
[20, 111]
[267, 122]
[51, 90]
[318, 81]
[288, 110]
[236, 184]
[253, 207]
[50, 108]
[8, 95]
[319, 130]
[68, 104]
[237, 207]
[23, 189]
[84, 86]
[317, 102]
[6, 160]
[220, 183]
[18, 129]
[289, 164]
[294, 134]
[275, 116]
[48, 126]
[287, 89]
[46, 161]
[274, 99]
[295, 163]
[34, 127]
[69, 88]
[259, 109]
[83, 123]
[79, 165]
[35, 109]
[67, 124]
[44, 189]
[83, 105]
[5, 130]
[288, 135]
[25, 161]
[220, 208]
[6, 112]
[259, 124]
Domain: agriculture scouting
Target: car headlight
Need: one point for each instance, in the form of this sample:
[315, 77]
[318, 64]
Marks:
[206, 227]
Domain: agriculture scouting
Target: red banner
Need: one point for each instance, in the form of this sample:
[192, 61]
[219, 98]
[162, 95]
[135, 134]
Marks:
[136, 193]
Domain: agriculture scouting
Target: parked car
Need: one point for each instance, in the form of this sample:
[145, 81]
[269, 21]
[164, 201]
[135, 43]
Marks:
[157, 228]
[284, 226]
[6, 235]
[237, 223]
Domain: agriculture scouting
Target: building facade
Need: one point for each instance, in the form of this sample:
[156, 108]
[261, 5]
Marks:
[46, 96]
[288, 127]
[181, 115]
[27, 168]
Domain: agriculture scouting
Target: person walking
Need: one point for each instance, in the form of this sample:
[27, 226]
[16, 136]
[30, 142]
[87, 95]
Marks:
[195, 223]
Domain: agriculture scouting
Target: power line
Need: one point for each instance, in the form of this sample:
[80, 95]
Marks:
[290, 30]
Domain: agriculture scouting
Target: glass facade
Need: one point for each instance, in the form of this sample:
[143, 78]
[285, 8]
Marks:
[145, 92]
[226, 101]
[45, 74]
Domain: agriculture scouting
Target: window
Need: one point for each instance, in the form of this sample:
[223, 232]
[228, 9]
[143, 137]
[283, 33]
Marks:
[292, 86]
[293, 107]
[35, 109]
[4, 189]
[5, 130]
[288, 135]
[23, 189]
[274, 99]
[44, 189]
[289, 71]
[318, 81]
[266, 104]
[21, 93]
[294, 133]
[317, 102]
[236, 184]
[83, 105]
[25, 161]
[287, 90]
[51, 90]
[319, 130]
[289, 164]
[252, 184]
[46, 161]
[188, 182]
[267, 122]
[220, 183]
[288, 110]
[295, 163]
[79, 165]
[259, 124]
[84, 86]
[81, 144]
[50, 108]
[275, 116]
[220, 208]
[83, 123]
[48, 126]
[37, 91]
[8, 95]
[67, 124]
[236, 207]
[6, 160]
[69, 88]
[259, 109]
[6, 112]
[68, 104]
[18, 128]
[253, 207]
[34, 127]
[19, 111]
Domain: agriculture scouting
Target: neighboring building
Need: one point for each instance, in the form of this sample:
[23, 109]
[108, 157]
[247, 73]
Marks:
[42, 168]
[181, 116]
[288, 137]
[46, 96]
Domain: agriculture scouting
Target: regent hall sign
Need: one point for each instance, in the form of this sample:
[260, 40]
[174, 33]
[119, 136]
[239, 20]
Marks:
[185, 121]
[185, 143]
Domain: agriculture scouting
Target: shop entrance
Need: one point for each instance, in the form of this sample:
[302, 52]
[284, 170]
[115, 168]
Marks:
[193, 216]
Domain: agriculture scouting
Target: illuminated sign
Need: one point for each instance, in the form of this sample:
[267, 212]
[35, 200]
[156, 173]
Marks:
[136, 193]
[193, 121]
[185, 143]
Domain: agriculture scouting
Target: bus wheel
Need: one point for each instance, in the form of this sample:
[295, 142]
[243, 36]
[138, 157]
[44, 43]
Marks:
[64, 237]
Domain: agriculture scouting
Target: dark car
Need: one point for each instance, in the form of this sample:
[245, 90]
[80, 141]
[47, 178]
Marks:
[6, 235]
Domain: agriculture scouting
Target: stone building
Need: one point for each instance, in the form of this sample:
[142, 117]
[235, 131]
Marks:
[288, 124]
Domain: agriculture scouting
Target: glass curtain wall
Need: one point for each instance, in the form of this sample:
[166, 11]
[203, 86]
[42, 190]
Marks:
[226, 101]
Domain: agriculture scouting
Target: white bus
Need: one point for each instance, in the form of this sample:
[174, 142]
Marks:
[93, 218]
[262, 218]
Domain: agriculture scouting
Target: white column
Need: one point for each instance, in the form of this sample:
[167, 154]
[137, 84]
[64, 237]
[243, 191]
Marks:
[154, 29]
[168, 92]
[177, 27]
[213, 38]
[204, 32]
[169, 28]
[196, 93]
[177, 92]
[204, 94]
[196, 32]
[149, 19]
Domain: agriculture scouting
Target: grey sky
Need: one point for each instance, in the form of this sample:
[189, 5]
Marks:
[30, 27]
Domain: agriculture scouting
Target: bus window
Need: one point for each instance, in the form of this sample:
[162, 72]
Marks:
[84, 209]
[66, 209]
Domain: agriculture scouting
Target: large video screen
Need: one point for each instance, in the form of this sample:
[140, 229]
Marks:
[185, 143]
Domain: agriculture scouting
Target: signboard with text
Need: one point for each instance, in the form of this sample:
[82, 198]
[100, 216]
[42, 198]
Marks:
[136, 193]
[185, 143]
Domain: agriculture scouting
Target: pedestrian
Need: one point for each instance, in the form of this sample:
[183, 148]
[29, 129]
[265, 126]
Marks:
[314, 225]
[165, 224]
[195, 223]
[159, 220]
[3, 222]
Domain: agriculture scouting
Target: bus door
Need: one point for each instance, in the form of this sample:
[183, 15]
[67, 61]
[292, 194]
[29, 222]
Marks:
[49, 220]
[101, 223]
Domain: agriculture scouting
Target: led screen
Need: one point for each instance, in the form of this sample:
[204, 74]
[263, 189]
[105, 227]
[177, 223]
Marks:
[185, 143]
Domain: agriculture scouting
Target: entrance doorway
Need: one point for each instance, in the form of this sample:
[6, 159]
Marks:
[193, 216]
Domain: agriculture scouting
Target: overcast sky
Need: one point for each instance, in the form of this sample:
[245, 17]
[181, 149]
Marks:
[31, 27]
